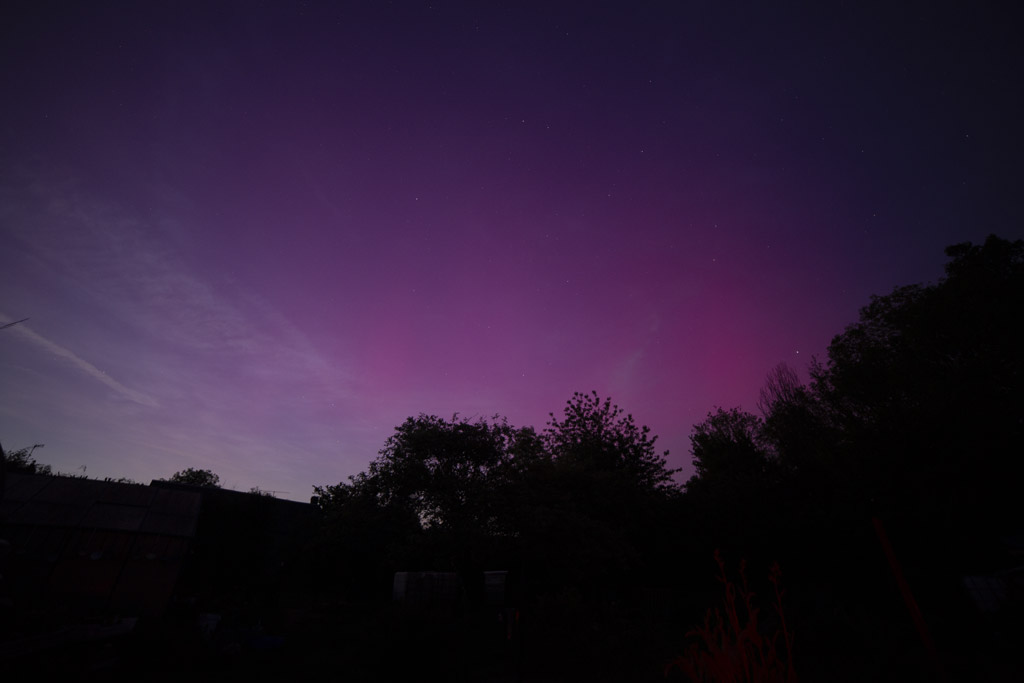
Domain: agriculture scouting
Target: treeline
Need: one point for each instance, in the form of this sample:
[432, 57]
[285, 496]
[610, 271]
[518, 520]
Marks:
[22, 461]
[877, 487]
[578, 514]
[917, 412]
[907, 436]
[462, 495]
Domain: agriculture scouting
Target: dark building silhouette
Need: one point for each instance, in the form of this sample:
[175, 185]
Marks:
[88, 561]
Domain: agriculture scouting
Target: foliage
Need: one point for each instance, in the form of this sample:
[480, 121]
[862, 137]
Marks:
[729, 646]
[461, 494]
[914, 416]
[362, 540]
[729, 453]
[781, 386]
[448, 472]
[920, 398]
[121, 480]
[926, 390]
[796, 429]
[196, 477]
[594, 436]
[433, 498]
[938, 348]
[21, 461]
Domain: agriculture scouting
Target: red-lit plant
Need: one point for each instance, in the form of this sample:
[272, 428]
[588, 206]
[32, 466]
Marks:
[724, 650]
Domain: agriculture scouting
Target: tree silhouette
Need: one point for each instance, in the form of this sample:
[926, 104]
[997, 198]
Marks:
[196, 477]
[918, 406]
[927, 389]
[21, 461]
[447, 471]
[597, 436]
[729, 453]
[915, 417]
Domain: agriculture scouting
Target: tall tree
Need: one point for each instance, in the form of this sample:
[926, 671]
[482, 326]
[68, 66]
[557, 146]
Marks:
[365, 536]
[196, 477]
[605, 500]
[598, 436]
[730, 455]
[795, 427]
[448, 471]
[927, 388]
[441, 493]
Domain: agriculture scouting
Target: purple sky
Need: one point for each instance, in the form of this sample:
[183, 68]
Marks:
[254, 237]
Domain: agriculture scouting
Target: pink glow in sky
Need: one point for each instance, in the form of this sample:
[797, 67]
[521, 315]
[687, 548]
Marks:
[256, 237]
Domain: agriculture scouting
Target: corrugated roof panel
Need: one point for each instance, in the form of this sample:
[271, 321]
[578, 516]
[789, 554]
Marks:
[126, 494]
[23, 487]
[170, 502]
[68, 490]
[9, 507]
[48, 513]
[170, 525]
[70, 502]
[115, 516]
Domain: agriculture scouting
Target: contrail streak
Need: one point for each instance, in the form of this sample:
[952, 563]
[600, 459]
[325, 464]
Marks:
[84, 365]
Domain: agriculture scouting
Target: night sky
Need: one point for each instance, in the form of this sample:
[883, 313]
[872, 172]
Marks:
[255, 236]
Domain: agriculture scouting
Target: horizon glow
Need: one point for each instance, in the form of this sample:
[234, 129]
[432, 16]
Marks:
[255, 240]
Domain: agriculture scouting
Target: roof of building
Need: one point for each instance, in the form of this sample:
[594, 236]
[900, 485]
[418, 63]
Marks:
[39, 500]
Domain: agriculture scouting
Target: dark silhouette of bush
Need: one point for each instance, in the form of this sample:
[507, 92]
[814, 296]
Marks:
[196, 477]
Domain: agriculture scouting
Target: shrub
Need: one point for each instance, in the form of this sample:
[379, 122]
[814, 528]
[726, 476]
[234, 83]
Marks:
[724, 650]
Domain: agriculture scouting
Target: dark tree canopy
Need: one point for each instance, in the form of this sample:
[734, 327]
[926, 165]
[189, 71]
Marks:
[729, 453]
[597, 436]
[912, 348]
[447, 471]
[917, 407]
[22, 461]
[927, 387]
[196, 477]
[781, 386]
[469, 494]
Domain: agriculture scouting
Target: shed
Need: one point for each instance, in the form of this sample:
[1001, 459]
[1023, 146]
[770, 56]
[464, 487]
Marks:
[81, 548]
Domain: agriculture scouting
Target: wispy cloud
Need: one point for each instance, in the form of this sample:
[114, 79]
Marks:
[213, 374]
[137, 271]
[83, 365]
